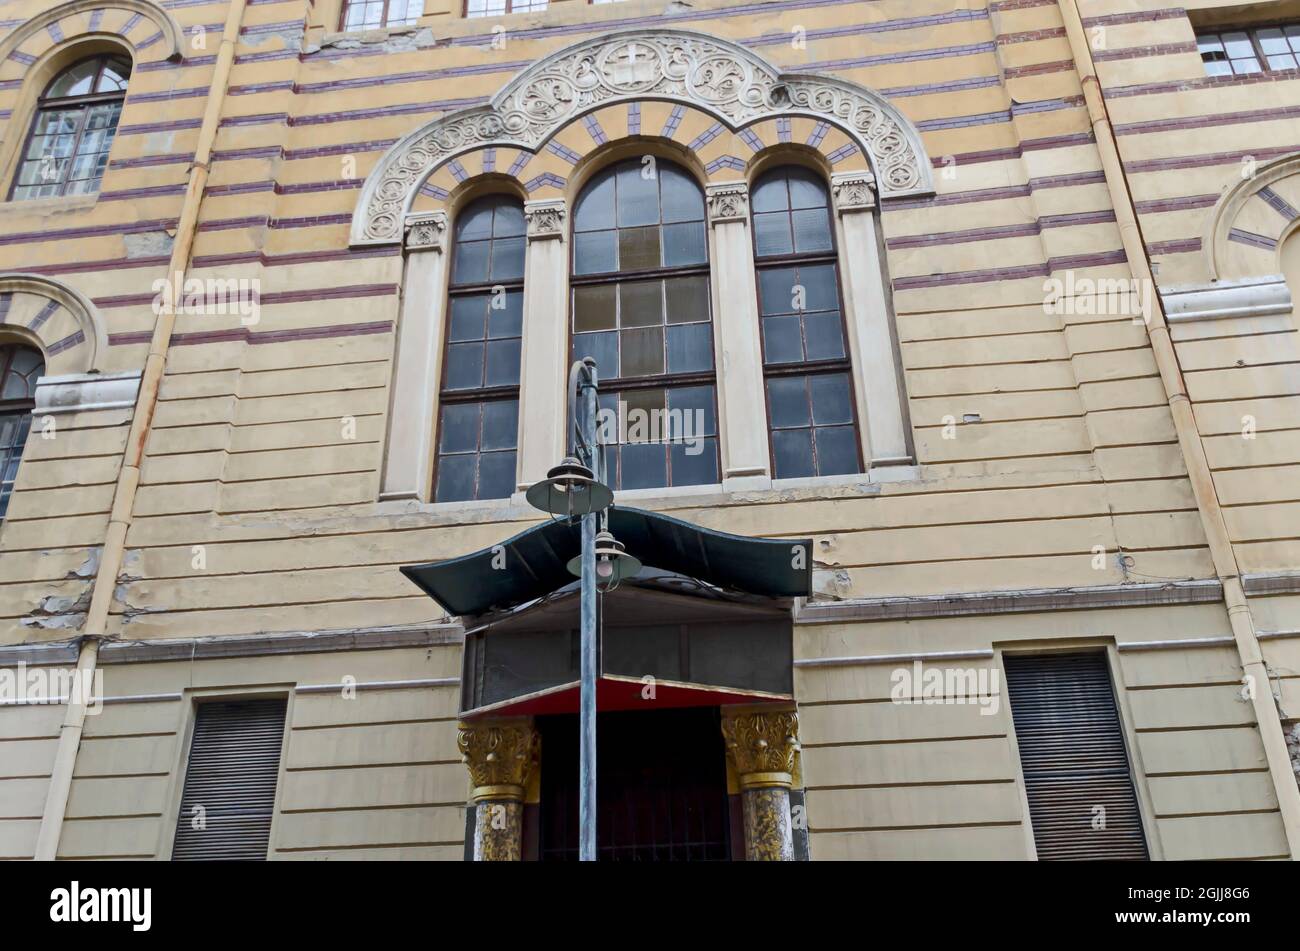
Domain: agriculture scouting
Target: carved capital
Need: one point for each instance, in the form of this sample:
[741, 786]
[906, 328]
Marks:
[427, 231]
[545, 219]
[762, 744]
[500, 755]
[853, 191]
[728, 201]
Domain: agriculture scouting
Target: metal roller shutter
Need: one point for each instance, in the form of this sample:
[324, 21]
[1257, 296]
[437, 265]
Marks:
[1073, 757]
[233, 766]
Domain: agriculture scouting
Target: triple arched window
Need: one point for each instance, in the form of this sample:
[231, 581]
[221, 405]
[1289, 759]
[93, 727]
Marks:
[806, 367]
[641, 308]
[70, 138]
[479, 399]
[19, 368]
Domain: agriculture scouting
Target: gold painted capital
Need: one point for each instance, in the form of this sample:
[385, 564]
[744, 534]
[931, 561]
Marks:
[762, 744]
[500, 755]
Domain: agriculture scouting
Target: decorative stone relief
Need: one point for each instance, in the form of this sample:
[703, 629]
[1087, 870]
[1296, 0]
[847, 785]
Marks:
[711, 74]
[728, 201]
[853, 191]
[426, 232]
[544, 219]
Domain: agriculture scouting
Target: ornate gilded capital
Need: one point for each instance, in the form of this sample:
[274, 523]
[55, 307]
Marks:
[853, 191]
[426, 231]
[728, 201]
[500, 755]
[545, 219]
[762, 744]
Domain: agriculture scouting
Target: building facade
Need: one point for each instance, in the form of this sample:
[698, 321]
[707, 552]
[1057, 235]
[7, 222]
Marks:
[948, 356]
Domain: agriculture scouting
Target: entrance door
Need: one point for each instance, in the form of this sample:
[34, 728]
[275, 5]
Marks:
[661, 787]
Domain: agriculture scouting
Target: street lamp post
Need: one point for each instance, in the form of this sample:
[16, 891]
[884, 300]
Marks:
[576, 488]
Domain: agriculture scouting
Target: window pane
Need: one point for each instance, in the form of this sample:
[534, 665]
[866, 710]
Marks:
[806, 189]
[500, 424]
[471, 262]
[594, 252]
[644, 466]
[837, 451]
[684, 244]
[638, 248]
[682, 199]
[464, 366]
[475, 223]
[831, 402]
[776, 289]
[687, 299]
[820, 290]
[507, 319]
[455, 478]
[468, 316]
[772, 234]
[502, 362]
[595, 207]
[693, 407]
[508, 221]
[1272, 41]
[77, 80]
[770, 194]
[695, 463]
[792, 452]
[114, 76]
[593, 307]
[781, 340]
[823, 337]
[638, 195]
[1238, 45]
[496, 475]
[690, 348]
[602, 347]
[640, 303]
[459, 427]
[812, 230]
[642, 351]
[787, 398]
[507, 259]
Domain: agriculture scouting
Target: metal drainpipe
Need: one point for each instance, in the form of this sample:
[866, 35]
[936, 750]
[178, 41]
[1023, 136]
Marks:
[1222, 552]
[128, 480]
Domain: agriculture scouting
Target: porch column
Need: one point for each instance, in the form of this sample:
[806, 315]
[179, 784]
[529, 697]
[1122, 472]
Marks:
[544, 362]
[413, 411]
[500, 754]
[881, 412]
[762, 743]
[742, 405]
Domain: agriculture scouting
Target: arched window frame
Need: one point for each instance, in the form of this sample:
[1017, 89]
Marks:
[16, 372]
[500, 292]
[777, 373]
[682, 466]
[80, 108]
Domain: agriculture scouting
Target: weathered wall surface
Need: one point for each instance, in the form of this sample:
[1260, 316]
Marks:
[1045, 452]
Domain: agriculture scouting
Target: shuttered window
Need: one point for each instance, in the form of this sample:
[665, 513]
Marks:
[230, 781]
[1072, 753]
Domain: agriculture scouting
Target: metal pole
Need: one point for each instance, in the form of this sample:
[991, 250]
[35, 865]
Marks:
[587, 715]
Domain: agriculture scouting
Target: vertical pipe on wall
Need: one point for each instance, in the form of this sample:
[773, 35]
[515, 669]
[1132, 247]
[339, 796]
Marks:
[128, 480]
[1189, 440]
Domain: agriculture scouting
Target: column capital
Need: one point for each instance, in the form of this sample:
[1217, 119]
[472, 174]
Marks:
[500, 754]
[728, 201]
[545, 218]
[853, 191]
[762, 743]
[426, 231]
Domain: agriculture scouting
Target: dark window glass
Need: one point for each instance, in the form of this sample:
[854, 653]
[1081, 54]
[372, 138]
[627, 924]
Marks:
[805, 353]
[641, 309]
[479, 420]
[76, 119]
[19, 369]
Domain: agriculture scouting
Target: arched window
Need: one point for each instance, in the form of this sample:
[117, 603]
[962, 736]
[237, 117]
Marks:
[806, 364]
[478, 426]
[19, 368]
[76, 119]
[374, 14]
[640, 308]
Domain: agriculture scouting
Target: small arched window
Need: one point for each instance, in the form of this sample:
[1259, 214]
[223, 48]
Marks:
[19, 368]
[641, 309]
[806, 364]
[76, 119]
[478, 425]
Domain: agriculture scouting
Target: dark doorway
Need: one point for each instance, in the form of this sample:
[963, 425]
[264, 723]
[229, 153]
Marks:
[661, 787]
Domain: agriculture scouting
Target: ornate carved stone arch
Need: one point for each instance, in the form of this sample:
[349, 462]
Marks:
[714, 75]
[159, 39]
[1250, 220]
[65, 323]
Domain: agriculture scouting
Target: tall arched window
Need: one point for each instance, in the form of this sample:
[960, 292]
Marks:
[806, 363]
[19, 368]
[76, 119]
[478, 425]
[640, 308]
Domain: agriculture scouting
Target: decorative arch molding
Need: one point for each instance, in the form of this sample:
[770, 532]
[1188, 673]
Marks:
[162, 44]
[1251, 219]
[67, 326]
[714, 75]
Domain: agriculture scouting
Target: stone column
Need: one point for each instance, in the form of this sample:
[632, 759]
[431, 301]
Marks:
[500, 754]
[544, 361]
[881, 413]
[762, 743]
[742, 413]
[413, 411]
